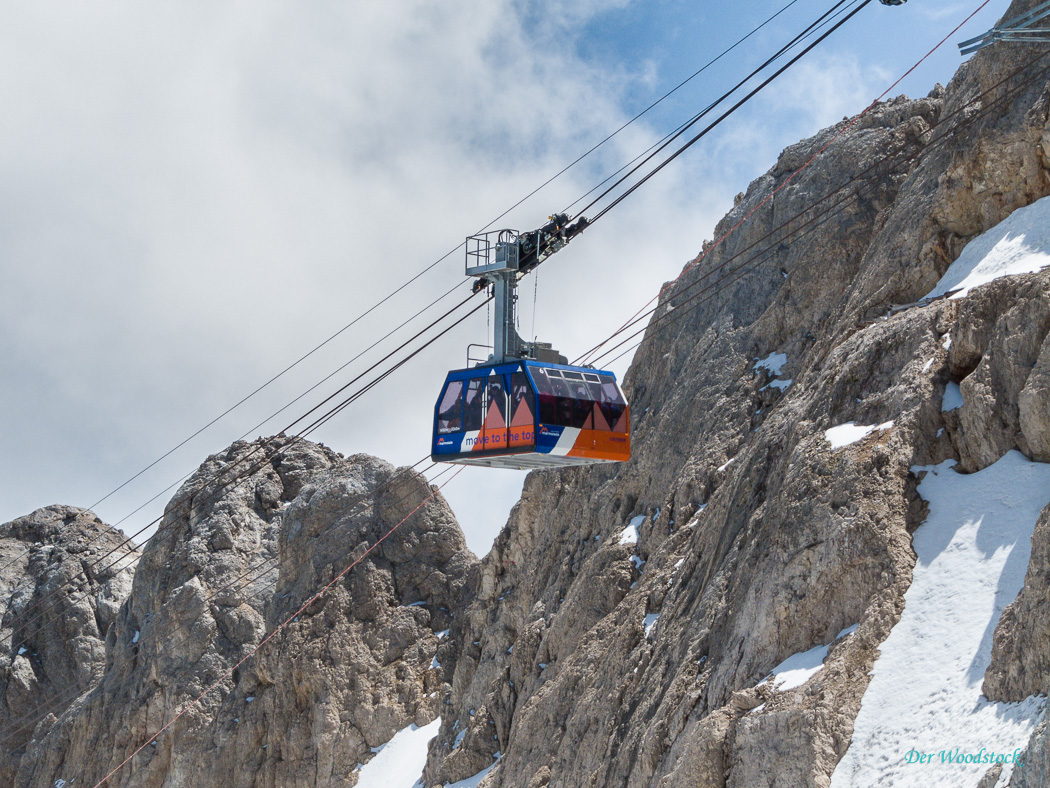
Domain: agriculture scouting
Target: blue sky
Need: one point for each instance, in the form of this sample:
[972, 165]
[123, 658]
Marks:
[194, 194]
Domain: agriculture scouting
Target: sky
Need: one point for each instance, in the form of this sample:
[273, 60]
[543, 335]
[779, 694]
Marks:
[193, 195]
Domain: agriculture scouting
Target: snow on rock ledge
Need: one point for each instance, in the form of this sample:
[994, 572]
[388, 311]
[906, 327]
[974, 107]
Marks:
[1020, 244]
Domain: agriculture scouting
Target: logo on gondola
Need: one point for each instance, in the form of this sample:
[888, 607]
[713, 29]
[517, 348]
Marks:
[446, 442]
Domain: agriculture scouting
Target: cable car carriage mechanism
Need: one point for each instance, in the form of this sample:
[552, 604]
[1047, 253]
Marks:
[526, 406]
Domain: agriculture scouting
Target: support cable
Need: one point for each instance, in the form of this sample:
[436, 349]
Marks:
[793, 175]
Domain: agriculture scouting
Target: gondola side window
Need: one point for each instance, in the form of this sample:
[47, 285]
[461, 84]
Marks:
[522, 401]
[474, 404]
[612, 404]
[548, 402]
[583, 404]
[496, 404]
[450, 410]
[564, 406]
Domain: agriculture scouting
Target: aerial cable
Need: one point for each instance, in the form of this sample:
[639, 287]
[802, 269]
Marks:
[296, 399]
[770, 196]
[236, 476]
[735, 273]
[295, 439]
[183, 711]
[795, 59]
[800, 168]
[710, 107]
[681, 128]
[280, 627]
[25, 552]
[447, 254]
[272, 415]
[716, 122]
[279, 374]
[658, 101]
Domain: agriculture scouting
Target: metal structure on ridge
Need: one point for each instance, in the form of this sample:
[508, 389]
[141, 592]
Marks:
[526, 406]
[1017, 29]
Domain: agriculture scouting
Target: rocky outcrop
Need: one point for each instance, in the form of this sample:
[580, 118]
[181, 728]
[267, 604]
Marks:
[595, 660]
[63, 577]
[245, 544]
[1021, 655]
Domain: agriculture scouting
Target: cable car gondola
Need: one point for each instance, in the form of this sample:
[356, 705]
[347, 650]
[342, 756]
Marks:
[526, 407]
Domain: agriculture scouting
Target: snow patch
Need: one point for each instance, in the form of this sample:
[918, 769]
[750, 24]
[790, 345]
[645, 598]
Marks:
[434, 664]
[952, 397]
[925, 692]
[778, 384]
[638, 562]
[629, 535]
[696, 516]
[947, 343]
[727, 464]
[650, 622]
[847, 631]
[851, 432]
[472, 782]
[400, 761]
[774, 362]
[21, 650]
[1017, 245]
[927, 365]
[135, 637]
[797, 669]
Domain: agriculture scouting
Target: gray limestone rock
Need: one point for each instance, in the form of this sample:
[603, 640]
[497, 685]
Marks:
[244, 547]
[640, 665]
[64, 576]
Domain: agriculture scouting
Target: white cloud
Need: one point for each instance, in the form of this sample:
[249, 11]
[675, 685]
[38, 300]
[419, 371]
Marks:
[192, 195]
[195, 195]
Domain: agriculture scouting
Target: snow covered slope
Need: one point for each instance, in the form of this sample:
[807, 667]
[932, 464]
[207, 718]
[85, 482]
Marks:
[923, 709]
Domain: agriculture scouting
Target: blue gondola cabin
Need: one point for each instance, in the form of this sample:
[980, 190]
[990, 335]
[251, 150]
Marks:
[530, 414]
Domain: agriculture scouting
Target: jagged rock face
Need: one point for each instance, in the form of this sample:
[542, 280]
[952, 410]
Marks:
[64, 576]
[246, 543]
[1021, 652]
[581, 664]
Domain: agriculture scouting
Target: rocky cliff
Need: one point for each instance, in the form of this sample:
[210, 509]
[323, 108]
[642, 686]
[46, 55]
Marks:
[598, 658]
[230, 562]
[624, 628]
